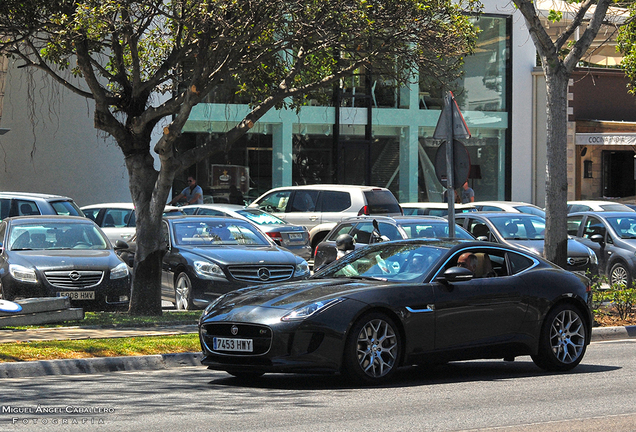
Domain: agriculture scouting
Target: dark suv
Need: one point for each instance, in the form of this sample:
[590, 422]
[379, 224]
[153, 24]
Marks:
[320, 207]
[29, 204]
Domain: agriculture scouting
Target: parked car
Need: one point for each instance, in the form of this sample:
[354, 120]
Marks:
[207, 256]
[434, 209]
[320, 207]
[290, 236]
[362, 231]
[597, 206]
[509, 207]
[400, 303]
[53, 256]
[118, 220]
[28, 204]
[612, 236]
[525, 231]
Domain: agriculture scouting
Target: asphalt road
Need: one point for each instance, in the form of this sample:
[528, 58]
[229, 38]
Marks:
[476, 395]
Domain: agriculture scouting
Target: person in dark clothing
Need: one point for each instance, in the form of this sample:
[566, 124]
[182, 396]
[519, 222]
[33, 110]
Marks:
[236, 197]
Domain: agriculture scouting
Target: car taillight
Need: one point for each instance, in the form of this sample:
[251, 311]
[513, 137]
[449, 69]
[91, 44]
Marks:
[364, 211]
[275, 235]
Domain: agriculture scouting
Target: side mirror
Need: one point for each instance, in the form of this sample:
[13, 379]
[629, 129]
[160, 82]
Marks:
[482, 238]
[597, 238]
[279, 242]
[120, 245]
[456, 274]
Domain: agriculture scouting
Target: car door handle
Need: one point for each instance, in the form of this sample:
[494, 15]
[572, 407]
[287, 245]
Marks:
[313, 218]
[429, 308]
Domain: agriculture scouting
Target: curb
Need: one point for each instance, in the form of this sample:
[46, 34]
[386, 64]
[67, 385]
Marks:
[98, 365]
[167, 361]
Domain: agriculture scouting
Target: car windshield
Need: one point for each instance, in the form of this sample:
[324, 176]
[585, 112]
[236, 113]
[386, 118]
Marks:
[215, 233]
[261, 218]
[56, 235]
[520, 228]
[432, 230]
[615, 207]
[531, 210]
[391, 262]
[624, 226]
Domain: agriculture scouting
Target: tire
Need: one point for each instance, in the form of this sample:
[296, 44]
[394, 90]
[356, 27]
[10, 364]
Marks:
[619, 275]
[373, 349]
[183, 293]
[563, 340]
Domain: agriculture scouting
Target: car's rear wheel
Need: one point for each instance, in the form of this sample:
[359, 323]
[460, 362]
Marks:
[619, 275]
[373, 349]
[183, 292]
[563, 339]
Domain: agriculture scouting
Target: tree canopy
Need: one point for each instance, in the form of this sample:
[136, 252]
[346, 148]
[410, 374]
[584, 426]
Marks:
[123, 54]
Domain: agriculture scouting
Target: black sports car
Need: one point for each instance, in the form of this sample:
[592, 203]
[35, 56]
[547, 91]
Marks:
[208, 256]
[400, 303]
[49, 256]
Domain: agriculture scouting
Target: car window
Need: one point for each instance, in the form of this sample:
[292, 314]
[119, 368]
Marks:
[92, 214]
[261, 218]
[433, 230]
[520, 228]
[574, 222]
[390, 231]
[438, 212]
[334, 201]
[575, 208]
[3, 229]
[344, 228]
[593, 226]
[276, 202]
[615, 207]
[490, 208]
[413, 211]
[478, 228]
[217, 232]
[531, 210]
[116, 218]
[26, 208]
[518, 263]
[381, 201]
[362, 232]
[483, 263]
[304, 201]
[5, 207]
[56, 235]
[209, 212]
[66, 208]
[190, 210]
[623, 226]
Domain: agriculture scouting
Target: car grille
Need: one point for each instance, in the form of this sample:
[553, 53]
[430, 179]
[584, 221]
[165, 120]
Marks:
[261, 335]
[263, 274]
[577, 261]
[74, 279]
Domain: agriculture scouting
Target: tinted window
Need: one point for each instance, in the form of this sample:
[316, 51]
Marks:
[593, 226]
[304, 201]
[381, 201]
[575, 208]
[573, 224]
[490, 208]
[531, 210]
[116, 218]
[342, 229]
[67, 208]
[26, 208]
[615, 207]
[518, 262]
[209, 212]
[5, 206]
[433, 230]
[334, 201]
[91, 214]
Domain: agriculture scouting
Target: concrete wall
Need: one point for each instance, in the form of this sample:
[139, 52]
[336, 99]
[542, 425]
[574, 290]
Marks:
[52, 146]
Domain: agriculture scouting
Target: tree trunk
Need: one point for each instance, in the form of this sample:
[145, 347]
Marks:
[149, 196]
[556, 172]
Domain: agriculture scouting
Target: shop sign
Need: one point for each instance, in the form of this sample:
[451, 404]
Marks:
[605, 139]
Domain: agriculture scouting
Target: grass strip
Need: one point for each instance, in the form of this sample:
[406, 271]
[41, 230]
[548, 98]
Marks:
[88, 348]
[122, 319]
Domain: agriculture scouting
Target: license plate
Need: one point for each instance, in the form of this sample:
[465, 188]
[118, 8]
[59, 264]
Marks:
[295, 236]
[77, 295]
[237, 345]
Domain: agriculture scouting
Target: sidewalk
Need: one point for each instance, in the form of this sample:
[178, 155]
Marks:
[150, 362]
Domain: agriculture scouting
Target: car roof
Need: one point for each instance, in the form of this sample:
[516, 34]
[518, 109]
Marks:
[220, 206]
[435, 205]
[328, 187]
[33, 195]
[47, 218]
[504, 203]
[604, 214]
[123, 205]
[397, 219]
[183, 217]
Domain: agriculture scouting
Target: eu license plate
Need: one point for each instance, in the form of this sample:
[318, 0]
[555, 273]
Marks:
[236, 345]
[295, 236]
[77, 295]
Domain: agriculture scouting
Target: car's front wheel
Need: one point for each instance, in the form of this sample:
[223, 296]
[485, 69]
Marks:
[373, 349]
[183, 292]
[563, 339]
[619, 275]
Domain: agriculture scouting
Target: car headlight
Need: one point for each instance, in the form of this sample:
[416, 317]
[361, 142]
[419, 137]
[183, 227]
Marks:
[302, 269]
[311, 309]
[23, 274]
[207, 269]
[593, 257]
[120, 271]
